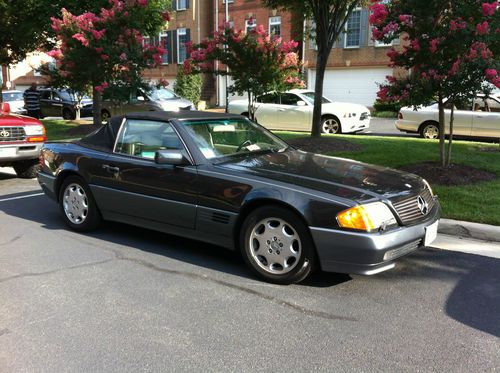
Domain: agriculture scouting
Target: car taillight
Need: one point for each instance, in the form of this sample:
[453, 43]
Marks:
[400, 115]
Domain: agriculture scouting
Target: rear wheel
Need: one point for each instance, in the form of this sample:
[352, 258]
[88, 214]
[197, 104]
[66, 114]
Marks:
[277, 245]
[67, 114]
[77, 205]
[27, 169]
[330, 125]
[430, 131]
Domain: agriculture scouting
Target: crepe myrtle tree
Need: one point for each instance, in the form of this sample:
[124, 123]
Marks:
[451, 51]
[105, 50]
[257, 62]
[330, 18]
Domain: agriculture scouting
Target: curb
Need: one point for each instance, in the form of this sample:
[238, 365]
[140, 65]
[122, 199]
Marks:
[467, 229]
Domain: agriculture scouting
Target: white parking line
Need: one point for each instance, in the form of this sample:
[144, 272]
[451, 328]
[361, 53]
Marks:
[21, 197]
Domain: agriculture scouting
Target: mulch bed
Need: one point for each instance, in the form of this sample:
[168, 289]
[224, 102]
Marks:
[324, 145]
[455, 174]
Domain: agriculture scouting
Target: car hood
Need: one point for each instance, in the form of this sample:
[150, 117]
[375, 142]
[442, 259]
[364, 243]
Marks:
[340, 177]
[346, 107]
[174, 103]
[13, 119]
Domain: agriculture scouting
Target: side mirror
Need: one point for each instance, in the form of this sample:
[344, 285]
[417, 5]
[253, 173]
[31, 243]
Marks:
[301, 103]
[141, 98]
[171, 157]
[5, 107]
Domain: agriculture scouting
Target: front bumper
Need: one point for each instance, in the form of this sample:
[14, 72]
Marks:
[407, 125]
[48, 184]
[19, 152]
[368, 253]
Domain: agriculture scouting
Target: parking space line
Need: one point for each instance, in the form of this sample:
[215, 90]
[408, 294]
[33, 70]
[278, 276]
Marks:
[21, 197]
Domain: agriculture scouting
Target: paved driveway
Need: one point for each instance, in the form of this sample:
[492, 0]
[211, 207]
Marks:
[129, 299]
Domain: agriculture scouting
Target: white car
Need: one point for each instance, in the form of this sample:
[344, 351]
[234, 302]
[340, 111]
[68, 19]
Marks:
[15, 100]
[293, 111]
[476, 118]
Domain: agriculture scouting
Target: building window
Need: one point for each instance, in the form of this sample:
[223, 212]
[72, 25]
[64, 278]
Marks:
[353, 30]
[182, 4]
[228, 1]
[250, 24]
[163, 41]
[275, 26]
[182, 39]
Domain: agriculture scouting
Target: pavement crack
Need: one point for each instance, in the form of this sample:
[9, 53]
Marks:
[4, 331]
[13, 239]
[295, 307]
[35, 274]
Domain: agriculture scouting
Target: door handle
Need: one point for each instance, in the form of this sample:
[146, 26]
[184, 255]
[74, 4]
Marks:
[111, 169]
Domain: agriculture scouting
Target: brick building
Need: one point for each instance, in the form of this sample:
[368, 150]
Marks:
[356, 64]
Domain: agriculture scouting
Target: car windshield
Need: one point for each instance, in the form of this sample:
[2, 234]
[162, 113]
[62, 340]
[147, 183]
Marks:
[12, 96]
[223, 139]
[310, 97]
[162, 94]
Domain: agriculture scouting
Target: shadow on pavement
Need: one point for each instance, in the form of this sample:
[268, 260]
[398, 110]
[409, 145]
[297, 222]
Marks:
[44, 211]
[7, 176]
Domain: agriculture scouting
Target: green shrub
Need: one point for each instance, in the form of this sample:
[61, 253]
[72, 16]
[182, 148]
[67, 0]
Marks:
[188, 86]
[387, 106]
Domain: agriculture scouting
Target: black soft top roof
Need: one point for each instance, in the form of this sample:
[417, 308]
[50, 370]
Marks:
[104, 138]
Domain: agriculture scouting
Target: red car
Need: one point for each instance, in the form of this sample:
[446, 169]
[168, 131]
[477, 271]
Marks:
[21, 139]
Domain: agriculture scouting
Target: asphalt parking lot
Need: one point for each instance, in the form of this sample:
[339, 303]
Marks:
[129, 299]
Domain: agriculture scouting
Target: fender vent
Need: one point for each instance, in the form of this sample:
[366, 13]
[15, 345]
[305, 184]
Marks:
[220, 218]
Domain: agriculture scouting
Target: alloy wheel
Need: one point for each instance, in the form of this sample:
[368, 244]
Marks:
[331, 126]
[431, 132]
[75, 203]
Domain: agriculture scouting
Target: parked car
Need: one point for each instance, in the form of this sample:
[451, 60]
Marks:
[293, 110]
[222, 179]
[15, 100]
[63, 103]
[158, 99]
[475, 118]
[21, 139]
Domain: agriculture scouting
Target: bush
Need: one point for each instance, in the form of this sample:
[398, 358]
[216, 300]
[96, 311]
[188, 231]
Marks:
[188, 86]
[387, 106]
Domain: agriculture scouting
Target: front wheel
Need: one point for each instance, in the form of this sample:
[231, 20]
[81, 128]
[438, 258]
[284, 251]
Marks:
[430, 131]
[27, 169]
[277, 245]
[78, 206]
[330, 125]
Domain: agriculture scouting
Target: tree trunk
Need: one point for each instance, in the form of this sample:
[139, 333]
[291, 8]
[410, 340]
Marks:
[251, 111]
[96, 106]
[450, 139]
[321, 61]
[441, 132]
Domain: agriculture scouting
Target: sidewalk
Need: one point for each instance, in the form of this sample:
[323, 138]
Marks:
[483, 232]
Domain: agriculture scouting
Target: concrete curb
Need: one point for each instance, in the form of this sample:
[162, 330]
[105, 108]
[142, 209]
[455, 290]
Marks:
[478, 231]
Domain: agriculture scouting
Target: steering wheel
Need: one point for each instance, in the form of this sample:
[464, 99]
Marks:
[243, 144]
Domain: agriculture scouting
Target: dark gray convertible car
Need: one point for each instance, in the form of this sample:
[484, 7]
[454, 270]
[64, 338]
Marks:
[223, 179]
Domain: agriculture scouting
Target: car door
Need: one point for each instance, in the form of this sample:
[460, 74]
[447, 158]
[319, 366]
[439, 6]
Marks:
[137, 189]
[462, 122]
[486, 121]
[294, 113]
[267, 111]
[46, 103]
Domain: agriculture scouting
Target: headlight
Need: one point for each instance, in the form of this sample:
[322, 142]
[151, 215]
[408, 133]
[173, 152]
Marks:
[369, 217]
[35, 130]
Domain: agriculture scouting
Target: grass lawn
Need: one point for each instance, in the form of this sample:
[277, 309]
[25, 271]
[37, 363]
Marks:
[57, 129]
[478, 203]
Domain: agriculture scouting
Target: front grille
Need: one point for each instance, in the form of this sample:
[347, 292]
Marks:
[408, 209]
[400, 251]
[364, 116]
[10, 134]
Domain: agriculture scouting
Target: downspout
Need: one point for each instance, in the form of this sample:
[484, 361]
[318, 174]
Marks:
[217, 62]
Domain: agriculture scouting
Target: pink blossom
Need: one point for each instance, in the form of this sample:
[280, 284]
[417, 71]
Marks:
[491, 74]
[98, 34]
[165, 16]
[82, 39]
[98, 50]
[482, 28]
[104, 57]
[123, 57]
[379, 13]
[489, 8]
[454, 68]
[101, 87]
[459, 24]
[434, 45]
[415, 45]
[56, 53]
[142, 3]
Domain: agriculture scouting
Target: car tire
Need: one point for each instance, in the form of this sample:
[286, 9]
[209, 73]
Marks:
[430, 130]
[330, 125]
[78, 207]
[264, 237]
[67, 114]
[27, 169]
[105, 115]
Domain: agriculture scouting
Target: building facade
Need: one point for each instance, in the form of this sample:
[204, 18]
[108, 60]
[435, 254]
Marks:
[357, 64]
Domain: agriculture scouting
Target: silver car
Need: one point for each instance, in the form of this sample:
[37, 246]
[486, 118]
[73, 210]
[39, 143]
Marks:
[475, 118]
[15, 100]
[160, 99]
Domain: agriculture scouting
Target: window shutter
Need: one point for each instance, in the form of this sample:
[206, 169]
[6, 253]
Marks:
[174, 4]
[364, 32]
[188, 35]
[174, 46]
[341, 41]
[169, 47]
[187, 4]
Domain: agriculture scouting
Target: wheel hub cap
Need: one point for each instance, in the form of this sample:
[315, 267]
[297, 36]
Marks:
[75, 204]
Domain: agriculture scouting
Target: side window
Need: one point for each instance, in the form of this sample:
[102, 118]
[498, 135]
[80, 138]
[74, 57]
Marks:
[270, 98]
[143, 138]
[45, 95]
[289, 99]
